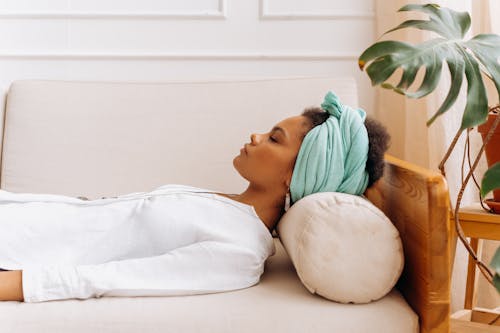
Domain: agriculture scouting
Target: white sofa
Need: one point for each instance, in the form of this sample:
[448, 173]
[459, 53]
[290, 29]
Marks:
[99, 139]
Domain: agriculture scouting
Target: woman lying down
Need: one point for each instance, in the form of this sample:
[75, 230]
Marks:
[182, 240]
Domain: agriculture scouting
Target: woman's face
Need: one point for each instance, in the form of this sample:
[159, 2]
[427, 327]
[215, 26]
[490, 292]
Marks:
[269, 158]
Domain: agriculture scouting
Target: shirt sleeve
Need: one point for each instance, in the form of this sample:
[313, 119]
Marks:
[199, 268]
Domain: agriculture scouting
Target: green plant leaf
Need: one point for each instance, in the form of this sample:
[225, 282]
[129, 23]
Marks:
[378, 71]
[495, 264]
[491, 180]
[476, 107]
[383, 58]
[486, 48]
[433, 65]
[457, 68]
[443, 21]
[496, 282]
[387, 56]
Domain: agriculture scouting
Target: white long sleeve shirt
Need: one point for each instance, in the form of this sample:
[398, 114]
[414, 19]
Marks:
[174, 240]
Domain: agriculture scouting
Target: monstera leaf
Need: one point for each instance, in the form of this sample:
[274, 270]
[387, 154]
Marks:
[491, 180]
[480, 53]
[495, 263]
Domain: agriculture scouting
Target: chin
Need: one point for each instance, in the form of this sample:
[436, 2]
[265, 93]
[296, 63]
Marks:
[235, 163]
[236, 166]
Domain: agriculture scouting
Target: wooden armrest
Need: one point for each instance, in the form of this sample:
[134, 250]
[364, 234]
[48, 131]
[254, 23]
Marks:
[416, 200]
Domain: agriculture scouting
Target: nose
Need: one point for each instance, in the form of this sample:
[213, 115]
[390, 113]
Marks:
[253, 138]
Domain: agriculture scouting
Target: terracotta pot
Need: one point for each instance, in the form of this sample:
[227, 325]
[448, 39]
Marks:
[492, 149]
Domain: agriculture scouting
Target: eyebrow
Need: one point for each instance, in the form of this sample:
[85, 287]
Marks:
[277, 128]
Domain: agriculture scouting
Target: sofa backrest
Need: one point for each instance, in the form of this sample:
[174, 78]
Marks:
[110, 138]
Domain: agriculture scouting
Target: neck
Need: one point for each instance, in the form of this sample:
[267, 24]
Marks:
[268, 204]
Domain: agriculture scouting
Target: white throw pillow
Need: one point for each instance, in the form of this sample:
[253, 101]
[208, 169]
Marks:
[342, 246]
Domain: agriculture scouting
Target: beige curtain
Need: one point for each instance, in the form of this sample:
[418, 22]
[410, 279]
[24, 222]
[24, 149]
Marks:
[411, 140]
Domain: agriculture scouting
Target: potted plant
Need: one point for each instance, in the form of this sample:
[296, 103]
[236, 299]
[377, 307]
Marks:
[492, 152]
[480, 54]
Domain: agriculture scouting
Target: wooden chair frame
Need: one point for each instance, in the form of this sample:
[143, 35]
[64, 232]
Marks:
[417, 202]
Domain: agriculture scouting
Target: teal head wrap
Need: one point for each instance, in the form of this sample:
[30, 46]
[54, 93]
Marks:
[333, 155]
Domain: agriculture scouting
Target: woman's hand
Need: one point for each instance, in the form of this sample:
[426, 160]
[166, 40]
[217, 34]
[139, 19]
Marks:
[11, 286]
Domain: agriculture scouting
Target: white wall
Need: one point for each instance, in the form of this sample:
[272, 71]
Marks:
[160, 40]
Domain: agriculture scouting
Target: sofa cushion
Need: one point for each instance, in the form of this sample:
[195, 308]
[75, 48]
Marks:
[98, 139]
[279, 303]
[342, 246]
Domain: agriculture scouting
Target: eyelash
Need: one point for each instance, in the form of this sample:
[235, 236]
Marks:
[272, 139]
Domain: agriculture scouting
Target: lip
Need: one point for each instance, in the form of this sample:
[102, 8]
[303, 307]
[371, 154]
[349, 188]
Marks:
[244, 149]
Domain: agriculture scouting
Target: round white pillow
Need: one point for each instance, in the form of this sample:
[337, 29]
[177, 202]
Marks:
[342, 246]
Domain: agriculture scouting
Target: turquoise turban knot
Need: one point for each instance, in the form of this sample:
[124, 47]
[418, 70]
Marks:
[333, 155]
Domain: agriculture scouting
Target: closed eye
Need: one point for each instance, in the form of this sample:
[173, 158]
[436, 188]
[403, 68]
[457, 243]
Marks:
[272, 139]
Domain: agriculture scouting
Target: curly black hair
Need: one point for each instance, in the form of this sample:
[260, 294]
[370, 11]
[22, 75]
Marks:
[378, 137]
